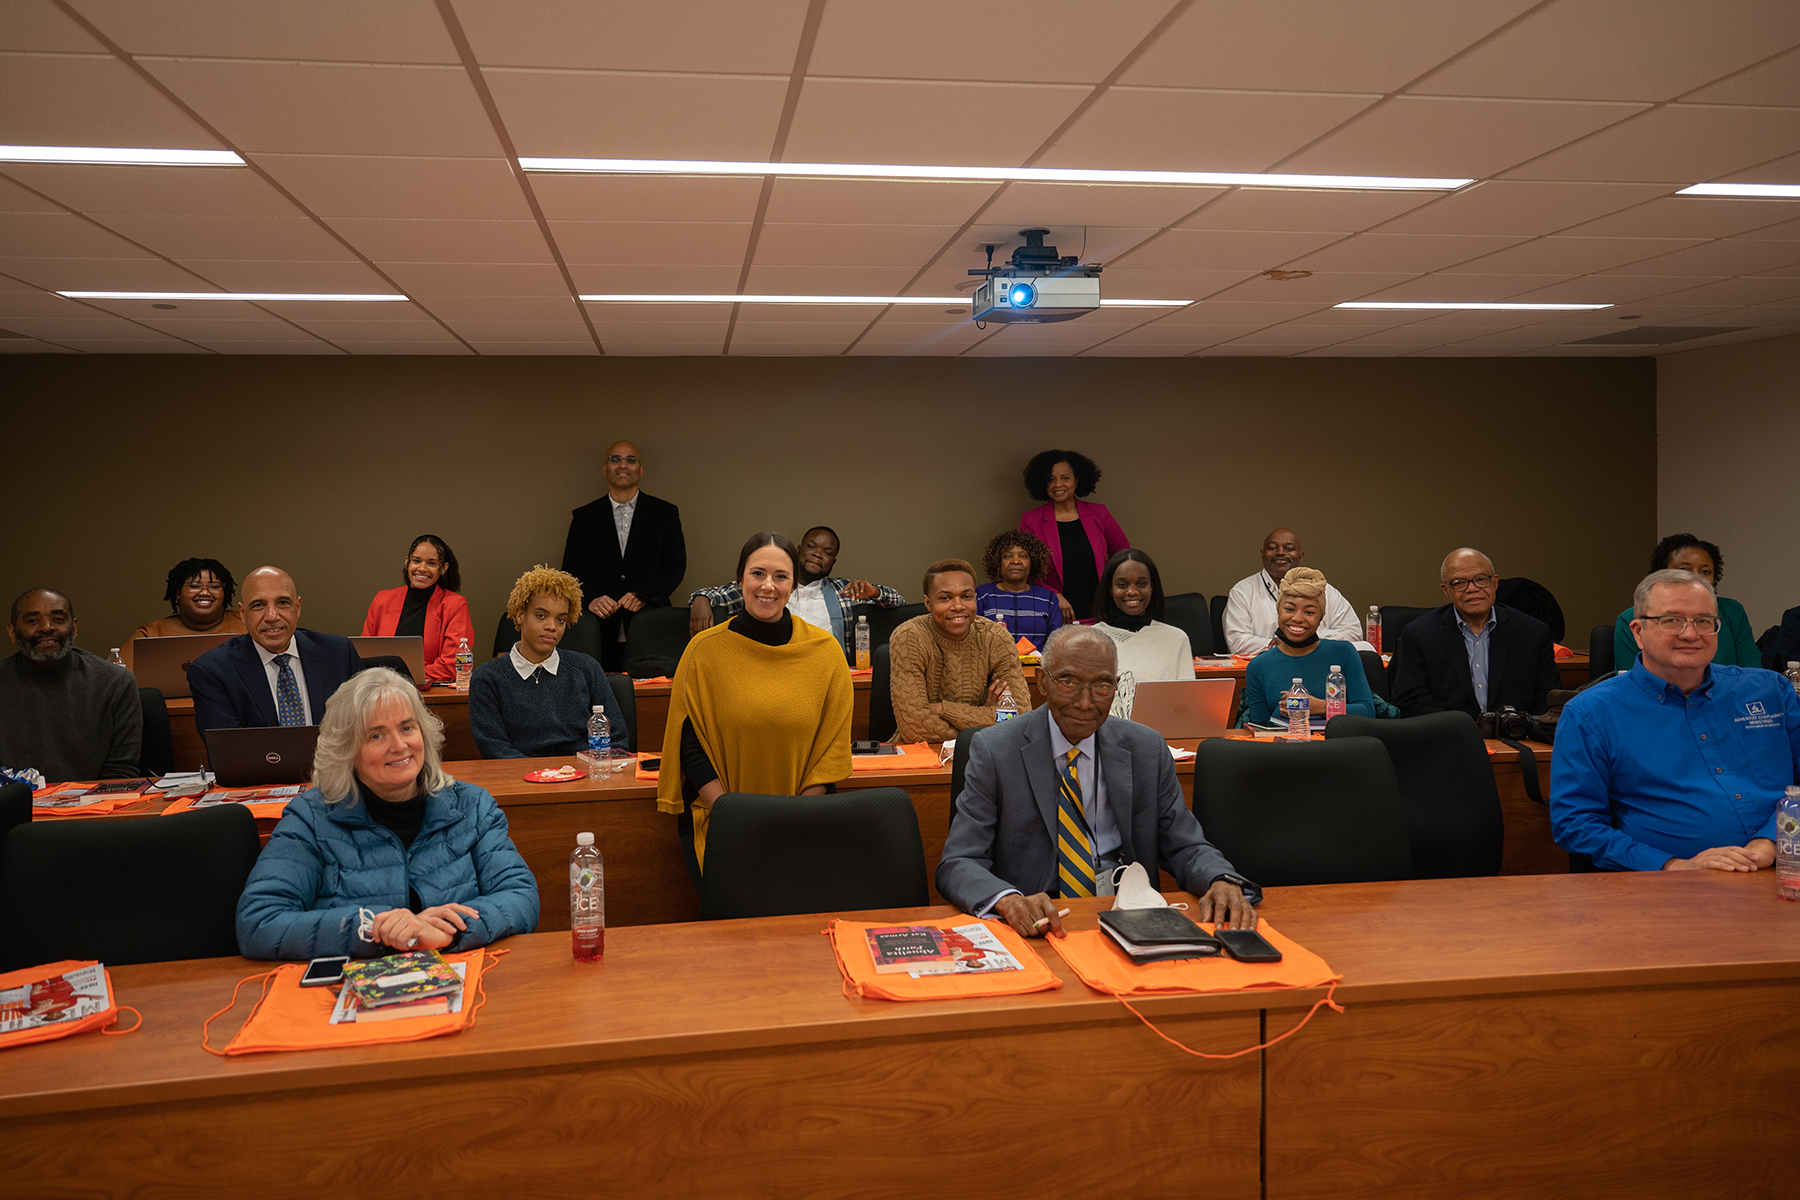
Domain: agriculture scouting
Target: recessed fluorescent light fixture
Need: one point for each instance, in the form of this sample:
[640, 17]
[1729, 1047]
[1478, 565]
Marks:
[334, 297]
[120, 156]
[667, 298]
[1422, 305]
[1767, 191]
[675, 166]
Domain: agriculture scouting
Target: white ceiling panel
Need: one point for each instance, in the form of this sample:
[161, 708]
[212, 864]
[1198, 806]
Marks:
[1305, 211]
[1571, 255]
[38, 25]
[691, 279]
[629, 242]
[696, 316]
[620, 332]
[887, 202]
[1150, 282]
[1781, 170]
[408, 348]
[336, 328]
[1762, 289]
[397, 240]
[1023, 205]
[1437, 136]
[1502, 207]
[208, 332]
[549, 309]
[1678, 144]
[296, 239]
[1065, 41]
[1402, 252]
[646, 197]
[1687, 216]
[252, 275]
[521, 331]
[29, 345]
[93, 326]
[1787, 270]
[1736, 256]
[1775, 81]
[163, 345]
[744, 348]
[1330, 286]
[442, 188]
[1597, 289]
[1192, 337]
[17, 300]
[204, 310]
[426, 280]
[1787, 231]
[61, 234]
[1472, 287]
[666, 349]
[101, 274]
[333, 108]
[173, 191]
[1227, 249]
[275, 347]
[826, 281]
[60, 100]
[1621, 49]
[878, 121]
[849, 319]
[14, 198]
[393, 31]
[1157, 130]
[584, 113]
[673, 35]
[561, 349]
[1250, 314]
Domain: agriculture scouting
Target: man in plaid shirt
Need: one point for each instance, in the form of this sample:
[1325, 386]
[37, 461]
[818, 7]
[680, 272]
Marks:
[819, 598]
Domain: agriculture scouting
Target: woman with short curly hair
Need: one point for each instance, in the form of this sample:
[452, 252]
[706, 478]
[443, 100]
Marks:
[199, 595]
[1015, 563]
[1081, 536]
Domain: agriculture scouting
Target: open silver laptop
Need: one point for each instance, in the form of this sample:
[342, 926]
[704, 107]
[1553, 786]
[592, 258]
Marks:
[162, 663]
[1185, 708]
[262, 756]
[411, 649]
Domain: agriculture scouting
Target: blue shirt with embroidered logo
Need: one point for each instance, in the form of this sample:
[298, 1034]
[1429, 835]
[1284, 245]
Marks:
[1644, 774]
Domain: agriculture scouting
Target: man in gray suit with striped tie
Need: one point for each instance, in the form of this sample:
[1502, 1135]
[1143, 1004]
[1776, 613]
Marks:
[1055, 801]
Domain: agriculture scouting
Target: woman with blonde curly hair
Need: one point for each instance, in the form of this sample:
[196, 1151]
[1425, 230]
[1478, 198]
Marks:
[1299, 608]
[536, 701]
[385, 851]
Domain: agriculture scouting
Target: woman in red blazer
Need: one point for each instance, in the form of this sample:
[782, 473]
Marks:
[1066, 523]
[430, 604]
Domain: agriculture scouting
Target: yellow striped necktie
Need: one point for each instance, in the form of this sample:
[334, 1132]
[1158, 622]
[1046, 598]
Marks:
[1074, 843]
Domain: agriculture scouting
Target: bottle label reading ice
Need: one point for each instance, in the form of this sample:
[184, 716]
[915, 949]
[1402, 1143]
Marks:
[587, 900]
[1372, 628]
[1334, 693]
[1787, 845]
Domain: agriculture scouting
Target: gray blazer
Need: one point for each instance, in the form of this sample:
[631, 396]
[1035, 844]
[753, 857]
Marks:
[1003, 833]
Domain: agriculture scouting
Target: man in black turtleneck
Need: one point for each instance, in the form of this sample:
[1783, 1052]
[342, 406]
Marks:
[62, 710]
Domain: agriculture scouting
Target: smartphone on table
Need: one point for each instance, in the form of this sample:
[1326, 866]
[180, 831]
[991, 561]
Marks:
[323, 972]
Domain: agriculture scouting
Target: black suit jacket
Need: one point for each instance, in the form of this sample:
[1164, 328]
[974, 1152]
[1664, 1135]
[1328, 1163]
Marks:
[1433, 672]
[655, 558]
[231, 685]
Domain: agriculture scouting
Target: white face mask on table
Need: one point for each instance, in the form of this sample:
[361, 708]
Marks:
[1132, 889]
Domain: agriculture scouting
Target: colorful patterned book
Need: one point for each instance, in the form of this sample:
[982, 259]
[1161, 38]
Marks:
[415, 975]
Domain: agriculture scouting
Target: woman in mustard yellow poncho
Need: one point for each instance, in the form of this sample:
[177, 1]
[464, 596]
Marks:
[759, 704]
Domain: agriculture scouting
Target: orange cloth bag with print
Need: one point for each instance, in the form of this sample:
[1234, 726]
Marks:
[850, 942]
[46, 991]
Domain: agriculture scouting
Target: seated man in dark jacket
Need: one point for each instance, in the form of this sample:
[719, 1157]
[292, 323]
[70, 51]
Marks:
[277, 673]
[1473, 655]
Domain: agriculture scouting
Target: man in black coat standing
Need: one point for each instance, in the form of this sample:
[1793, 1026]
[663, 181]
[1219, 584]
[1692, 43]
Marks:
[626, 549]
[1473, 655]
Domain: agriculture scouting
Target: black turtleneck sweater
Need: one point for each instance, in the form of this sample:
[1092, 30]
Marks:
[696, 769]
[76, 718]
[412, 613]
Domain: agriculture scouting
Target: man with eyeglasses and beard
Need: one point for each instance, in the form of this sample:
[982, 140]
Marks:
[1107, 789]
[1473, 655]
[64, 711]
[1678, 763]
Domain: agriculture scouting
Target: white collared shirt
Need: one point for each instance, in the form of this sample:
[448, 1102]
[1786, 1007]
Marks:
[273, 670]
[622, 515]
[526, 668]
[1250, 616]
[808, 603]
[1093, 789]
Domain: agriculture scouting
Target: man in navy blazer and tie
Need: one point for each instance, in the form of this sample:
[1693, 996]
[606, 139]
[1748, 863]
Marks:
[276, 674]
[1054, 801]
[1473, 655]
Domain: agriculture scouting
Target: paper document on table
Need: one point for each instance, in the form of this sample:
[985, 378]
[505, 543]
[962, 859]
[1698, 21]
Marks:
[1180, 755]
[977, 950]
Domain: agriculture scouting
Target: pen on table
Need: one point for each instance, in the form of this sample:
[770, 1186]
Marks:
[1043, 921]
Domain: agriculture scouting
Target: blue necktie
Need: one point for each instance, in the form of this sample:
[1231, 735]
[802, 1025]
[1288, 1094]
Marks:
[288, 709]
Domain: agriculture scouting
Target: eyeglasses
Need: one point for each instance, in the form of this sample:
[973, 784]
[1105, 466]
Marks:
[194, 585]
[1675, 626]
[1068, 686]
[1473, 581]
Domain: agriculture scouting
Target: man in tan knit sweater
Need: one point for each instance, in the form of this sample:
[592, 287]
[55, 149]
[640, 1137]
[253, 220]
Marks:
[951, 668]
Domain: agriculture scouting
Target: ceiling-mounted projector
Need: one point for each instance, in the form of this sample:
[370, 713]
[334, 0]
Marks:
[1036, 286]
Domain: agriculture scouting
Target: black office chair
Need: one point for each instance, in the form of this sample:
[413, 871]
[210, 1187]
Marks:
[1394, 620]
[1187, 611]
[1217, 608]
[120, 892]
[770, 856]
[1447, 791]
[959, 762]
[392, 662]
[1600, 652]
[882, 723]
[15, 805]
[156, 756]
[1312, 812]
[883, 621]
[1765, 645]
[1376, 672]
[583, 636]
[506, 634]
[655, 638]
[627, 698]
[1534, 600]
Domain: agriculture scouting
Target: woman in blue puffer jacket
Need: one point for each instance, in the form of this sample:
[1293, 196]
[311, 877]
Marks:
[386, 851]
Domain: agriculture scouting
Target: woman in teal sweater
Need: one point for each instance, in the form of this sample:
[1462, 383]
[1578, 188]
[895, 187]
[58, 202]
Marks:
[1685, 552]
[1299, 654]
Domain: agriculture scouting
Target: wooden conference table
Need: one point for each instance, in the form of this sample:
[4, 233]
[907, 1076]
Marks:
[1537, 1035]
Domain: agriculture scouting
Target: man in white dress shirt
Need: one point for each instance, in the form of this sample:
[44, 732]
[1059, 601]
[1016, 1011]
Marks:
[276, 673]
[1250, 612]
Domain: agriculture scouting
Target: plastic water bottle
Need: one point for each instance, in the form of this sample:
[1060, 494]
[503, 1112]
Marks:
[114, 658]
[1793, 675]
[1006, 710]
[1299, 712]
[862, 643]
[1787, 845]
[465, 664]
[599, 745]
[1335, 693]
[587, 900]
[1372, 628]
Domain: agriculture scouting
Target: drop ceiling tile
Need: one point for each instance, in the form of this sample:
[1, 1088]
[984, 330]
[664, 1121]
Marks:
[14, 198]
[513, 308]
[1354, 350]
[1440, 136]
[394, 31]
[1191, 337]
[1329, 286]
[1734, 256]
[1294, 336]
[1748, 290]
[209, 332]
[1023, 205]
[101, 274]
[1773, 82]
[61, 235]
[1157, 283]
[767, 320]
[607, 315]
[631, 243]
[26, 345]
[1571, 255]
[666, 349]
[563, 349]
[1620, 50]
[274, 347]
[1600, 289]
[878, 121]
[166, 345]
[1471, 287]
[367, 349]
[1160, 130]
[248, 275]
[1123, 350]
[338, 329]
[93, 326]
[1001, 347]
[559, 114]
[693, 279]
[1401, 252]
[17, 301]
[1781, 170]
[1685, 217]
[1678, 144]
[520, 331]
[412, 188]
[172, 191]
[146, 312]
[1247, 313]
[476, 279]
[293, 239]
[1505, 207]
[1787, 270]
[850, 245]
[1786, 231]
[397, 240]
[334, 108]
[740, 348]
[1241, 350]
[1322, 46]
[616, 332]
[1091, 243]
[921, 338]
[826, 281]
[694, 35]
[1226, 249]
[1299, 211]
[1408, 336]
[61, 100]
[38, 25]
[645, 197]
[953, 39]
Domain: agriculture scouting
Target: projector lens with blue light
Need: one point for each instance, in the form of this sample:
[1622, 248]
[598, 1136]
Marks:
[1021, 295]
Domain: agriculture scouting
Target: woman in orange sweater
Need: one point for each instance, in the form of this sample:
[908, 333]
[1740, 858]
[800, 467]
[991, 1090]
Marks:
[430, 605]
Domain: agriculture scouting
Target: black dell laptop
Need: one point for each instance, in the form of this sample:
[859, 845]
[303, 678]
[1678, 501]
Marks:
[262, 756]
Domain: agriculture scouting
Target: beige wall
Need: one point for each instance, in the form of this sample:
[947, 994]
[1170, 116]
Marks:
[329, 466]
[1728, 424]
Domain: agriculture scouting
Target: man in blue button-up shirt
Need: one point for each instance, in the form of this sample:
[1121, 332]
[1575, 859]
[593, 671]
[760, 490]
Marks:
[1677, 764]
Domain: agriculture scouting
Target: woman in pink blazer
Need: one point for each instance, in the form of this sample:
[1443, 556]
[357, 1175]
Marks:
[1081, 536]
[430, 605]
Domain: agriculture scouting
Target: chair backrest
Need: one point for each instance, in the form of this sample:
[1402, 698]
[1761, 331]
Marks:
[959, 763]
[1534, 600]
[883, 621]
[1600, 652]
[1394, 620]
[1217, 608]
[506, 634]
[149, 890]
[627, 698]
[583, 636]
[1377, 674]
[881, 696]
[1187, 611]
[392, 662]
[1447, 790]
[15, 805]
[1313, 812]
[1766, 646]
[156, 755]
[659, 633]
[770, 856]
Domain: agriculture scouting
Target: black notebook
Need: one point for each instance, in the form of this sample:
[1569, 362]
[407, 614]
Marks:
[1150, 934]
